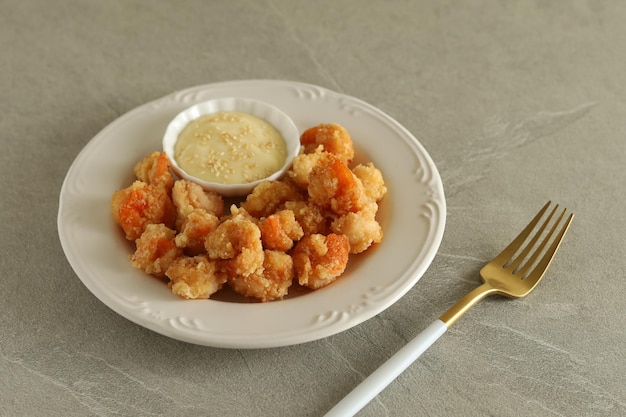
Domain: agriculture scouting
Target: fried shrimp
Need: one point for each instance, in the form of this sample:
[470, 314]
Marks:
[188, 196]
[301, 228]
[155, 250]
[302, 166]
[361, 228]
[139, 205]
[194, 277]
[154, 169]
[332, 137]
[319, 260]
[270, 282]
[269, 196]
[194, 230]
[333, 185]
[309, 216]
[280, 230]
[372, 180]
[237, 241]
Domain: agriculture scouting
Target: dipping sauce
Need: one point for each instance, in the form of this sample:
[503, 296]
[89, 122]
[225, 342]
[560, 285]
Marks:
[230, 148]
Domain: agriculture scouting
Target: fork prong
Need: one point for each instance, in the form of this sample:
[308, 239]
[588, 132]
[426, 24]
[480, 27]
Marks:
[514, 264]
[517, 243]
[531, 260]
[539, 270]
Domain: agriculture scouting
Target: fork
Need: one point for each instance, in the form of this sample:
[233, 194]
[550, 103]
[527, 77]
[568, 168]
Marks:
[513, 273]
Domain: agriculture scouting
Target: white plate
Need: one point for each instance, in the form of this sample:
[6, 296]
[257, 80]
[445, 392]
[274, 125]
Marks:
[412, 216]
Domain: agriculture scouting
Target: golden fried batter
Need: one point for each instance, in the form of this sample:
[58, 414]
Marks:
[372, 180]
[332, 138]
[194, 230]
[188, 196]
[302, 166]
[237, 241]
[155, 250]
[310, 217]
[154, 169]
[139, 205]
[269, 196]
[320, 260]
[194, 277]
[361, 228]
[333, 185]
[270, 282]
[280, 230]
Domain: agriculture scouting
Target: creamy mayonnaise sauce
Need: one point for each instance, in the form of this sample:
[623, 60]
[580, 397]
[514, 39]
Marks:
[230, 148]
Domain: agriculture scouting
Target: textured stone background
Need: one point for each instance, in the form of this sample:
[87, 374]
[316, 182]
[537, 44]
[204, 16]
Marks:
[517, 103]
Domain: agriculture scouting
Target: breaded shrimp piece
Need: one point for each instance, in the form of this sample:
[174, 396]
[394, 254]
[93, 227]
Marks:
[240, 213]
[155, 250]
[372, 180]
[361, 228]
[140, 204]
[270, 282]
[332, 137]
[188, 195]
[319, 260]
[302, 166]
[237, 241]
[333, 185]
[310, 217]
[194, 230]
[280, 230]
[154, 169]
[268, 196]
[194, 277]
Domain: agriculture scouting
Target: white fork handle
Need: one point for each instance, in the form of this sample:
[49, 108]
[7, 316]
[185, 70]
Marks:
[390, 370]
